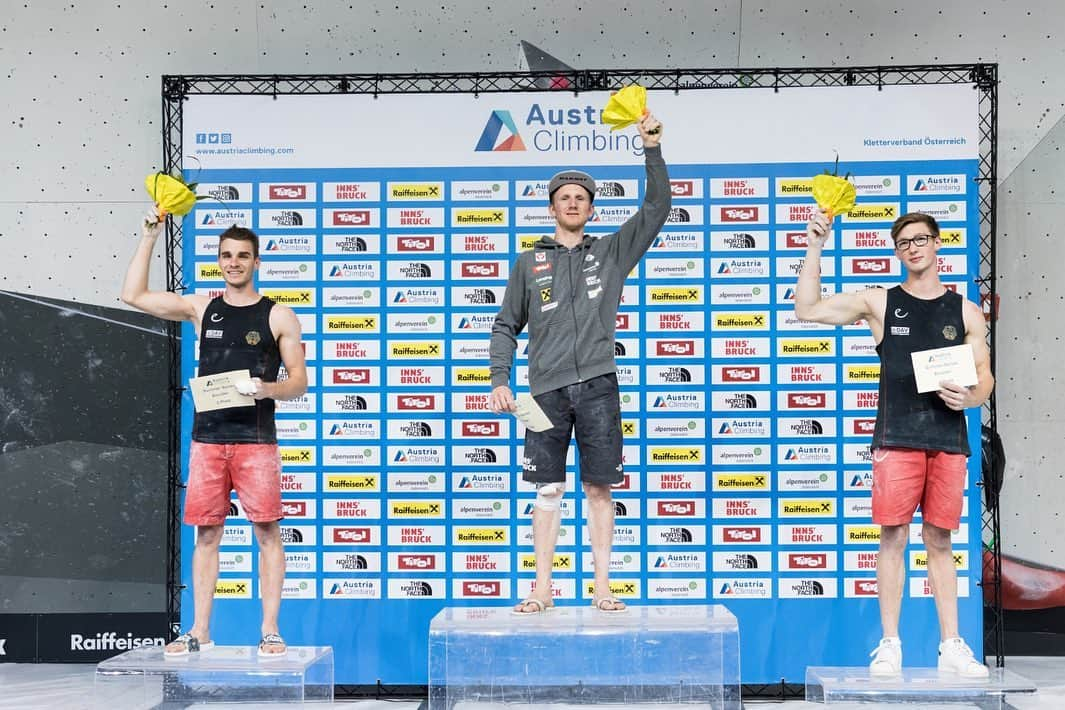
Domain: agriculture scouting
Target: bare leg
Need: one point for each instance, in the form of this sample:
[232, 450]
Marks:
[204, 578]
[601, 532]
[546, 524]
[271, 572]
[943, 578]
[891, 575]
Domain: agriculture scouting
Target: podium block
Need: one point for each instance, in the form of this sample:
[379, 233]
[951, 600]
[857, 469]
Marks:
[916, 687]
[683, 655]
[144, 677]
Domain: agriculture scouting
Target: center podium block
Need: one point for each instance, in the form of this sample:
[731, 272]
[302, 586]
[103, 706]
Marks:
[684, 655]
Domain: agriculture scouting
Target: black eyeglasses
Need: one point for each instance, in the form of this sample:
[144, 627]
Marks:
[918, 240]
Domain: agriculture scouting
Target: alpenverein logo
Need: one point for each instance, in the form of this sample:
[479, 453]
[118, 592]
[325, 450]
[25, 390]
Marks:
[490, 139]
[863, 373]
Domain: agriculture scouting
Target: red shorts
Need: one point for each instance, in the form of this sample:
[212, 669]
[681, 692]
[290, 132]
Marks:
[902, 478]
[252, 470]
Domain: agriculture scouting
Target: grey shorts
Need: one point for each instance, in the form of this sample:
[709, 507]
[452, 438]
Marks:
[589, 409]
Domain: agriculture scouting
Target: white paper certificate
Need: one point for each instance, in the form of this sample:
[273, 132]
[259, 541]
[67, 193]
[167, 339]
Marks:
[955, 364]
[530, 414]
[218, 391]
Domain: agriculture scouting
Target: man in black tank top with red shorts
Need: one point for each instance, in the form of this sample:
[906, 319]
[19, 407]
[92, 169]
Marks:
[920, 443]
[234, 448]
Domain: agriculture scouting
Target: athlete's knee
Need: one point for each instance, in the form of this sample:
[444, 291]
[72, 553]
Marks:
[549, 496]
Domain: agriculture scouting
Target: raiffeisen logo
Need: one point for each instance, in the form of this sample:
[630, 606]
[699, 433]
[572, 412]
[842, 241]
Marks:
[493, 129]
[552, 128]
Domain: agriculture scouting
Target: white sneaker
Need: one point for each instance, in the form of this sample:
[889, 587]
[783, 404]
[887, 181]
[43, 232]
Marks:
[887, 658]
[955, 656]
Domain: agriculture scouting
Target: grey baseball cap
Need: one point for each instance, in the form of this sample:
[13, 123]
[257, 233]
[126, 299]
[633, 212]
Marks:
[571, 177]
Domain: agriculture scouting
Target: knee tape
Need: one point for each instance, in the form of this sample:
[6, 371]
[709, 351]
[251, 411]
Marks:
[549, 496]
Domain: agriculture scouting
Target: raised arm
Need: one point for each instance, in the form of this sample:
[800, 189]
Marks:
[837, 309]
[162, 304]
[635, 237]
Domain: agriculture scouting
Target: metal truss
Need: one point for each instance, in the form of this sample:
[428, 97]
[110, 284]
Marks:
[982, 77]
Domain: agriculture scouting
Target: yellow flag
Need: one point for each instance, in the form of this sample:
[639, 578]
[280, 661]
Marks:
[171, 196]
[625, 107]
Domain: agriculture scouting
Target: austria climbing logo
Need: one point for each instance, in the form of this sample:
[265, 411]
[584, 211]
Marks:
[495, 138]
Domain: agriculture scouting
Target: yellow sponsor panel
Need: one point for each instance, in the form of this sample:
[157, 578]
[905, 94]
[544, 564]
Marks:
[919, 559]
[526, 241]
[741, 481]
[428, 350]
[863, 373]
[678, 454]
[483, 217]
[869, 212]
[297, 455]
[798, 186]
[352, 324]
[952, 237]
[416, 509]
[860, 534]
[416, 191]
[620, 588]
[208, 272]
[352, 482]
[561, 563]
[676, 294]
[824, 347]
[630, 427]
[233, 588]
[482, 536]
[472, 376]
[747, 320]
[811, 508]
[294, 298]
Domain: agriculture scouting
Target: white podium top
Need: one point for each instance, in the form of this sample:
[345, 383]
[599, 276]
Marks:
[712, 618]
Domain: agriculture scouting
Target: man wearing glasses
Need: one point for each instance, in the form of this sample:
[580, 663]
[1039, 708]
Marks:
[920, 443]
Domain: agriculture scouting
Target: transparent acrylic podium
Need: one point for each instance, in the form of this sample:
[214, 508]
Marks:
[145, 678]
[916, 687]
[683, 655]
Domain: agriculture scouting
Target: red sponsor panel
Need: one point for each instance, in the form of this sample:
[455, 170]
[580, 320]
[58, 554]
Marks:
[351, 535]
[807, 560]
[863, 427]
[807, 400]
[288, 192]
[676, 508]
[748, 213]
[480, 269]
[740, 374]
[731, 534]
[294, 508]
[674, 348]
[682, 188]
[415, 562]
[481, 588]
[416, 244]
[864, 587]
[870, 265]
[351, 376]
[488, 428]
[796, 240]
[351, 218]
[416, 402]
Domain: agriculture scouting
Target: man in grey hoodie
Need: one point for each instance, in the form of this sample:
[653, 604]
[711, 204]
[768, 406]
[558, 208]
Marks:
[567, 290]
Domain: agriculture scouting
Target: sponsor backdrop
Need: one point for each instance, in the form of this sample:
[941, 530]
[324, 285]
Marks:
[747, 432]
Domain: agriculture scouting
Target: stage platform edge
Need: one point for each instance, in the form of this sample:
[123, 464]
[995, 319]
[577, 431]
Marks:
[683, 655]
[144, 677]
[918, 687]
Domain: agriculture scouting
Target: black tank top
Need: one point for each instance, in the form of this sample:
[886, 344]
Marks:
[905, 418]
[238, 338]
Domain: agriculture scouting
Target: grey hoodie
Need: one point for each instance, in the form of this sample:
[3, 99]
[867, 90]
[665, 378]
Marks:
[569, 297]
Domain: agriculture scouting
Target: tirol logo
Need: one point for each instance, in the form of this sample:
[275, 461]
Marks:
[351, 376]
[416, 402]
[351, 535]
[739, 214]
[676, 507]
[682, 188]
[351, 218]
[288, 192]
[488, 428]
[742, 534]
[806, 400]
[862, 427]
[808, 560]
[425, 243]
[740, 374]
[500, 133]
[481, 589]
[864, 587]
[871, 266]
[666, 348]
[480, 270]
[416, 562]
